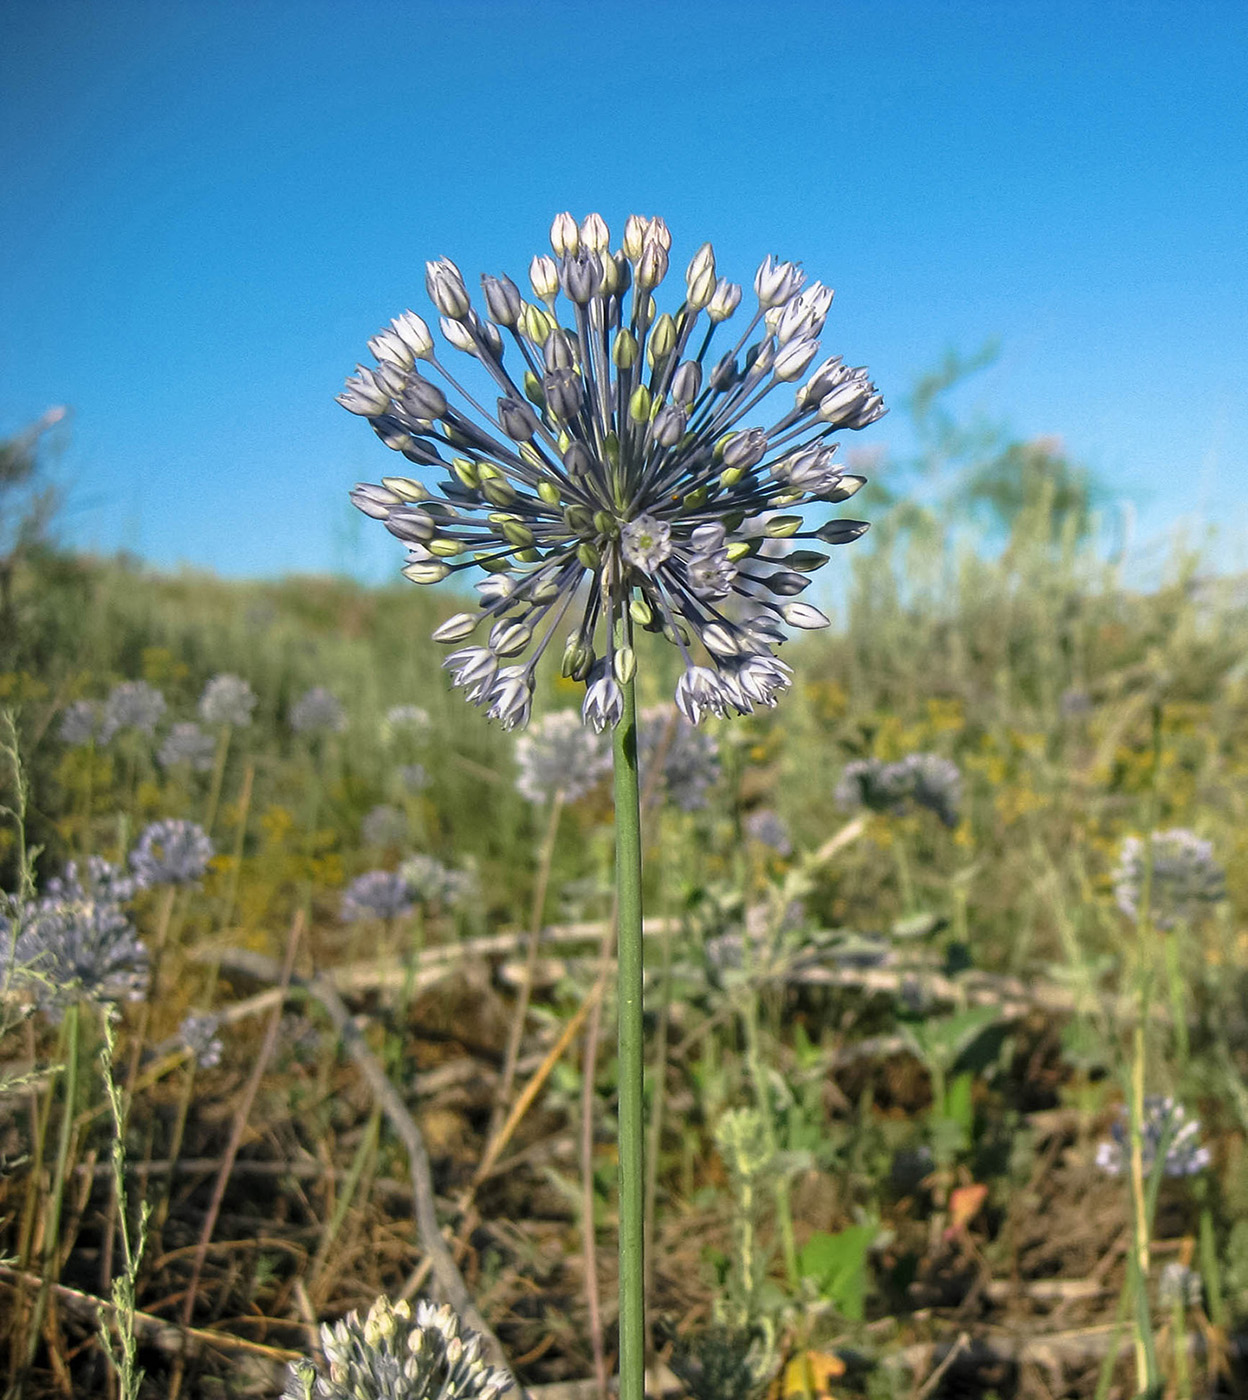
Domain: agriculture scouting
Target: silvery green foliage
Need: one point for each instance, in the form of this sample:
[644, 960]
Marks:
[398, 1352]
[187, 743]
[412, 777]
[768, 829]
[622, 477]
[132, 705]
[724, 1363]
[558, 754]
[1163, 1118]
[921, 779]
[384, 826]
[402, 720]
[431, 882]
[79, 723]
[198, 1032]
[317, 711]
[172, 852]
[75, 943]
[228, 700]
[689, 757]
[377, 894]
[1186, 878]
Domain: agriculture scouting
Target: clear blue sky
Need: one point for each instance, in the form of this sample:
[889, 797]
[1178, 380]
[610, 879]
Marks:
[209, 207]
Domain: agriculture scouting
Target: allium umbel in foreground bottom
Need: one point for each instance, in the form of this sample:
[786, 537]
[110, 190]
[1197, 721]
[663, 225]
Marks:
[398, 1352]
[622, 477]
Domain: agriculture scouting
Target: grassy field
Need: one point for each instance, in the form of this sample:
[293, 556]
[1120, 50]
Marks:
[888, 1049]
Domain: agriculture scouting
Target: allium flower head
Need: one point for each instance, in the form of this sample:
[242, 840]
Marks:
[768, 829]
[198, 1032]
[227, 700]
[173, 852]
[431, 882]
[921, 779]
[131, 705]
[403, 719]
[318, 711]
[79, 722]
[558, 754]
[70, 945]
[398, 1352]
[1163, 1118]
[625, 474]
[1186, 880]
[94, 881]
[379, 894]
[187, 743]
[689, 757]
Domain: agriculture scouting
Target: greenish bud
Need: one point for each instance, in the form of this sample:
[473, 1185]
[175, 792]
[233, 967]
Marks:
[639, 404]
[700, 279]
[662, 340]
[580, 520]
[588, 555]
[624, 663]
[605, 524]
[738, 550]
[782, 527]
[641, 611]
[498, 492]
[805, 561]
[678, 634]
[491, 566]
[536, 324]
[426, 571]
[533, 390]
[529, 555]
[730, 476]
[444, 548]
[519, 535]
[697, 498]
[405, 488]
[624, 351]
[528, 453]
[549, 492]
[466, 471]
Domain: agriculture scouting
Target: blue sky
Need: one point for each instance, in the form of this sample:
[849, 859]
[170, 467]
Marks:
[210, 207]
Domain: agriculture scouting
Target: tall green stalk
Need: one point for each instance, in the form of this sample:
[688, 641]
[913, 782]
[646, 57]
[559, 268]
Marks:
[631, 1060]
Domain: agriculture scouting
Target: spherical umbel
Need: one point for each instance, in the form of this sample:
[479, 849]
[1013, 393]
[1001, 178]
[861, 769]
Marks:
[619, 476]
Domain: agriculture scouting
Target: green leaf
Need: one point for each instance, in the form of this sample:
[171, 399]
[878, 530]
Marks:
[838, 1265]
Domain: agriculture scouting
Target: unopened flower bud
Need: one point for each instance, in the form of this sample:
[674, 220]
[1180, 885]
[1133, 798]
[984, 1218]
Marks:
[563, 393]
[517, 420]
[544, 275]
[652, 268]
[686, 382]
[422, 399]
[502, 299]
[445, 285]
[565, 237]
[595, 236]
[669, 426]
[700, 280]
[725, 301]
[581, 277]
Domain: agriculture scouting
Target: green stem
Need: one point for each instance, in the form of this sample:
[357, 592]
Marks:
[52, 1228]
[905, 881]
[631, 1053]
